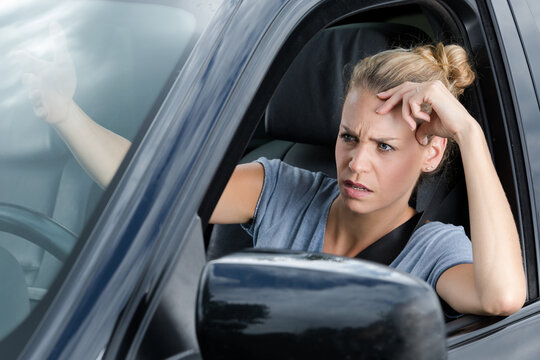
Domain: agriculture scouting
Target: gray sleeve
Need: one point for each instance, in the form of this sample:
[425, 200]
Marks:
[434, 248]
[286, 195]
[271, 168]
[453, 247]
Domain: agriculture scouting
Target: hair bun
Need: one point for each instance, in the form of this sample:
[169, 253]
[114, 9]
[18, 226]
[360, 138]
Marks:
[454, 62]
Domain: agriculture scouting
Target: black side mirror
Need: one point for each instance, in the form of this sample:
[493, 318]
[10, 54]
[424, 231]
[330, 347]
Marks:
[291, 305]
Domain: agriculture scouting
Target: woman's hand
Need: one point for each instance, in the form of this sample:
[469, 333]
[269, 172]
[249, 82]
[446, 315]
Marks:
[495, 284]
[51, 85]
[429, 108]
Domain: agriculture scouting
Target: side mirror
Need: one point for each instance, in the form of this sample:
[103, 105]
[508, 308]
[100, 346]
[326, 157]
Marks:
[291, 305]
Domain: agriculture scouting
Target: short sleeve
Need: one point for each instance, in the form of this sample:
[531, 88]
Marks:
[292, 208]
[434, 248]
[453, 247]
[271, 169]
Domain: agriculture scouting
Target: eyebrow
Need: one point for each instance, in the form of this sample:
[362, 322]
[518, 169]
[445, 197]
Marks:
[383, 139]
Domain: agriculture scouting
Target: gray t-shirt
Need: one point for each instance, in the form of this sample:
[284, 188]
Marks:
[292, 212]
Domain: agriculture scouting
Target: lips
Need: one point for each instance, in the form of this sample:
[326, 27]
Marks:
[356, 190]
[356, 186]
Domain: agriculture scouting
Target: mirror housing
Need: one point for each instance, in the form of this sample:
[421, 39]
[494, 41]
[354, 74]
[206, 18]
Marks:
[293, 305]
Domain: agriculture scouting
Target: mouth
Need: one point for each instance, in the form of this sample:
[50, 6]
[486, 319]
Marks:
[356, 186]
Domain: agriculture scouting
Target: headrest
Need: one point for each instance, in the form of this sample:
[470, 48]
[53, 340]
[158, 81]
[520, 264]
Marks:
[306, 106]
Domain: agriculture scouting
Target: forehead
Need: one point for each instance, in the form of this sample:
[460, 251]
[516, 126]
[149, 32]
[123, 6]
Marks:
[359, 113]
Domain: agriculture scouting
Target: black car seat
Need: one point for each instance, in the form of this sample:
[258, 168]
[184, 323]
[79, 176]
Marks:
[304, 113]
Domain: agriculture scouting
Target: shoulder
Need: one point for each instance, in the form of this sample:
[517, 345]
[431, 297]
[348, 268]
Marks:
[279, 166]
[279, 173]
[439, 229]
[433, 248]
[292, 199]
[438, 238]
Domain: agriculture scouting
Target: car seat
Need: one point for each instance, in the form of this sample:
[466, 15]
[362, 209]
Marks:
[304, 113]
[14, 300]
[41, 175]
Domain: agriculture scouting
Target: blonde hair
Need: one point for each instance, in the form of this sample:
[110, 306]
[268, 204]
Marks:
[385, 70]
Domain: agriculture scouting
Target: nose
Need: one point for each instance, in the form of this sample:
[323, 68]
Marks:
[360, 161]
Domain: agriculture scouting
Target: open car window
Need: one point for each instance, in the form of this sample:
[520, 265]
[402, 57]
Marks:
[126, 56]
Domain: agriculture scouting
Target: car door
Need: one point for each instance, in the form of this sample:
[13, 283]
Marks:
[511, 31]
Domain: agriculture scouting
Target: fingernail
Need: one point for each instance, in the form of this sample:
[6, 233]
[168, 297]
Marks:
[381, 93]
[424, 141]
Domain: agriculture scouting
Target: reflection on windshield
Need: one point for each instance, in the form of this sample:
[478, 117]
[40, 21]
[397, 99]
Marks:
[115, 60]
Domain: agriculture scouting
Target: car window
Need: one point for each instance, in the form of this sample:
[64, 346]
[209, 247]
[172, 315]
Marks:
[527, 18]
[534, 8]
[125, 56]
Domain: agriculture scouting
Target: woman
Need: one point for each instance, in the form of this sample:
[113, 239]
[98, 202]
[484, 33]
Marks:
[399, 114]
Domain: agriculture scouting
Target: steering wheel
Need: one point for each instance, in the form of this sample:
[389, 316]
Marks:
[37, 228]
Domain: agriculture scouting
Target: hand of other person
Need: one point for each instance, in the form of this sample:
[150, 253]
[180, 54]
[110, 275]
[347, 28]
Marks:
[51, 84]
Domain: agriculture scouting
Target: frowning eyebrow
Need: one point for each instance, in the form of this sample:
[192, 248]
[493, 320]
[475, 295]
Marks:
[383, 139]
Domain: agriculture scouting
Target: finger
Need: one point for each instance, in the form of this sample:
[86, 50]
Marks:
[35, 97]
[384, 95]
[406, 111]
[391, 102]
[41, 111]
[388, 93]
[423, 134]
[28, 62]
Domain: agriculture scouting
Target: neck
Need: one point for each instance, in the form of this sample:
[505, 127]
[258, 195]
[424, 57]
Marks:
[348, 233]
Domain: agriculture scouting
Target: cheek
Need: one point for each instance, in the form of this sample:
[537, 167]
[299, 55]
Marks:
[400, 167]
[341, 155]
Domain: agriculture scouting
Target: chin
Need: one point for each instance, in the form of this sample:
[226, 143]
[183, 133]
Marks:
[357, 206]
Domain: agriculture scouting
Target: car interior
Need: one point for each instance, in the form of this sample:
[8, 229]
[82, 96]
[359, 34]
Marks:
[302, 119]
[300, 126]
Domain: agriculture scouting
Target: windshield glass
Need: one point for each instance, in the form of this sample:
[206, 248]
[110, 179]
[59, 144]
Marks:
[117, 61]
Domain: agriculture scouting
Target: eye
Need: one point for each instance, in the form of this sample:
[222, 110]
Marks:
[385, 147]
[347, 138]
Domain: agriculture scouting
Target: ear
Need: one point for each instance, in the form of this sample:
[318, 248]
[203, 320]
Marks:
[434, 153]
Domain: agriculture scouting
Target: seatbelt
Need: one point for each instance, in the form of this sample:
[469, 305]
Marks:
[387, 248]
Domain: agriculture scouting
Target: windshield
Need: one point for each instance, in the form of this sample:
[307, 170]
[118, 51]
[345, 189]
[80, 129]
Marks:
[117, 60]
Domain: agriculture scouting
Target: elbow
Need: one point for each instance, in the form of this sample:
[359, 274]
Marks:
[504, 304]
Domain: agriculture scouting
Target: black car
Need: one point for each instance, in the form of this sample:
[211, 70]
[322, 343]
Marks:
[136, 271]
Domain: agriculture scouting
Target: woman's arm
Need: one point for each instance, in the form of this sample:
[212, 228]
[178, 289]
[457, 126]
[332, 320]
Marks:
[498, 286]
[51, 86]
[495, 284]
[99, 150]
[238, 201]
